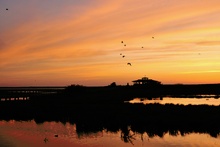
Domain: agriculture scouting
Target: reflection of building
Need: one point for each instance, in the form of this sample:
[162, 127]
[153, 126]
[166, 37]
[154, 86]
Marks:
[146, 81]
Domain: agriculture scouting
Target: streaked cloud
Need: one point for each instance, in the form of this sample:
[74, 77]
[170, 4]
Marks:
[80, 40]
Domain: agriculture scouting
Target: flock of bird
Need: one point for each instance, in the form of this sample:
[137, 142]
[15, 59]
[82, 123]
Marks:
[123, 56]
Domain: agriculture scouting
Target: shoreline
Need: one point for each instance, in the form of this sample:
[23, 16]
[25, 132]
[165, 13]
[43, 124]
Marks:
[108, 94]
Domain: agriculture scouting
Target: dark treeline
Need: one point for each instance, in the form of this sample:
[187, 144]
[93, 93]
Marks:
[193, 89]
[154, 119]
[119, 94]
[122, 93]
[111, 93]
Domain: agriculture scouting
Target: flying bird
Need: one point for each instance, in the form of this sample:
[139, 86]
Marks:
[129, 63]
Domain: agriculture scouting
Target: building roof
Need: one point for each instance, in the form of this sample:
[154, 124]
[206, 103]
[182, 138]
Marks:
[145, 80]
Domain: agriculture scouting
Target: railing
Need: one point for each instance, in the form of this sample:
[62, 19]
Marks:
[15, 99]
[24, 93]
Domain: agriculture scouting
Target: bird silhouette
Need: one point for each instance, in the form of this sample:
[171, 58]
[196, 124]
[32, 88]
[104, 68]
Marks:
[152, 37]
[125, 45]
[123, 56]
[129, 63]
[142, 47]
[121, 41]
[6, 8]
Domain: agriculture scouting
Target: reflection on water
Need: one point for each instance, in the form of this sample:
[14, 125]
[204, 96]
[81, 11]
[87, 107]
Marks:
[66, 122]
[29, 133]
[180, 101]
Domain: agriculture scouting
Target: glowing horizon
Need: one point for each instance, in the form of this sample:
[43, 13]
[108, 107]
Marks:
[79, 42]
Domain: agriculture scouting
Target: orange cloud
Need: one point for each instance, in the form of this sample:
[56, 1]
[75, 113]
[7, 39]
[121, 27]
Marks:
[84, 41]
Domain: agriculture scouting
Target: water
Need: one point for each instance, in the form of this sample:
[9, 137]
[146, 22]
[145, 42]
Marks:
[30, 134]
[181, 101]
[118, 125]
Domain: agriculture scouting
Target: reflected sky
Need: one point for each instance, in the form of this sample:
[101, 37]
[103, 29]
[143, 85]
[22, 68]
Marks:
[183, 101]
[29, 133]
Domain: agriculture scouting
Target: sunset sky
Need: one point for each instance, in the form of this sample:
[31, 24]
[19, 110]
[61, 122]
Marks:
[63, 42]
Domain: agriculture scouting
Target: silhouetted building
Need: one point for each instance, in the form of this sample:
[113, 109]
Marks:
[146, 81]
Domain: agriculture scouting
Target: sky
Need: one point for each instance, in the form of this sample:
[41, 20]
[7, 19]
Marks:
[64, 42]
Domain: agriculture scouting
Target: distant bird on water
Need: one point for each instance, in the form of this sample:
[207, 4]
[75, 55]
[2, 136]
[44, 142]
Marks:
[152, 37]
[124, 44]
[129, 63]
[45, 140]
[123, 56]
[56, 135]
[121, 41]
[6, 8]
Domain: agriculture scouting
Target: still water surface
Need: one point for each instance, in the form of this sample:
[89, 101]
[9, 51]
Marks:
[30, 134]
[180, 101]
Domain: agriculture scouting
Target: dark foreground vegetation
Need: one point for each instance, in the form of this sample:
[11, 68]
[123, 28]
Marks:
[154, 119]
[95, 109]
